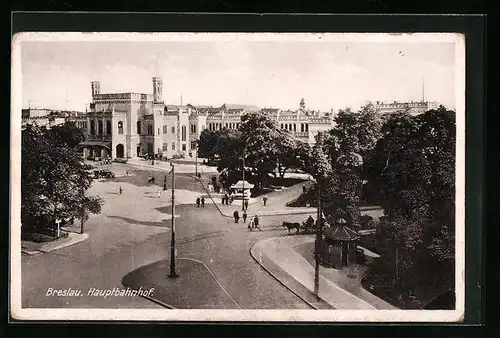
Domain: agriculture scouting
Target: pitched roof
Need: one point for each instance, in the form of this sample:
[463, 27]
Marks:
[241, 185]
[340, 233]
[231, 106]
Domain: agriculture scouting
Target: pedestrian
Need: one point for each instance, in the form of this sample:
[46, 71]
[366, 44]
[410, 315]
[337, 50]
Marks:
[159, 193]
[245, 216]
[223, 200]
[198, 202]
[126, 172]
[121, 190]
[203, 201]
[236, 216]
[245, 203]
[304, 189]
[264, 200]
[153, 180]
[150, 179]
[231, 199]
[256, 222]
[199, 175]
[226, 198]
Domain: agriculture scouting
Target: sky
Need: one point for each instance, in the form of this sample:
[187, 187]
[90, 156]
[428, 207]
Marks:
[329, 75]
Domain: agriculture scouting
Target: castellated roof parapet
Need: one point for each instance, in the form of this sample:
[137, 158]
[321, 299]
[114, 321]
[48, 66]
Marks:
[124, 96]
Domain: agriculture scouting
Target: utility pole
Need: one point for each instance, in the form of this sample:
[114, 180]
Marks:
[196, 159]
[244, 193]
[317, 244]
[173, 273]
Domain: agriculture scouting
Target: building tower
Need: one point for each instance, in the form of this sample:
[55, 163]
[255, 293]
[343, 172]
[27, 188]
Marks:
[96, 88]
[157, 90]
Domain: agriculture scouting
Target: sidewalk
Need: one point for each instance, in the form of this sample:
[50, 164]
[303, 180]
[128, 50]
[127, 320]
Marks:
[32, 248]
[165, 166]
[280, 251]
[195, 288]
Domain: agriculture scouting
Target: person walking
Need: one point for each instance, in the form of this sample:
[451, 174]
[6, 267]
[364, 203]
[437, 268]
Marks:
[226, 198]
[236, 216]
[245, 216]
[198, 202]
[121, 190]
[256, 222]
[304, 189]
[203, 201]
[264, 200]
[230, 199]
[245, 202]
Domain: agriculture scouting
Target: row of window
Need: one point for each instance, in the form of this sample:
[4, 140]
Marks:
[165, 146]
[100, 127]
[304, 127]
[139, 128]
[219, 126]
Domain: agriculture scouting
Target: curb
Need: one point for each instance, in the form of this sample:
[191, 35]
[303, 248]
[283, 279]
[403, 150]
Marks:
[65, 244]
[303, 298]
[31, 253]
[159, 302]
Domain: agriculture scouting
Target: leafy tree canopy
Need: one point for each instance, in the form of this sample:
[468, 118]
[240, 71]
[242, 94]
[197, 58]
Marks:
[54, 179]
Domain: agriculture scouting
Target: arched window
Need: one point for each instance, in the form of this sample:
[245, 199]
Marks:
[120, 127]
[139, 127]
[183, 133]
[92, 127]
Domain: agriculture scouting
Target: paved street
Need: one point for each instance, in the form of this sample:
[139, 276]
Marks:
[133, 230]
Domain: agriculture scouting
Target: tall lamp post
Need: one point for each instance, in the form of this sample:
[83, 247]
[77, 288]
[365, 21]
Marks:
[317, 244]
[196, 158]
[244, 193]
[173, 273]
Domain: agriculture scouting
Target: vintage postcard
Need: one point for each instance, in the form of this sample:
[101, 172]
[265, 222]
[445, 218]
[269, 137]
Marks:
[238, 177]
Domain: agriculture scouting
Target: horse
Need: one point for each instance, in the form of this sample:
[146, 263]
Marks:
[290, 225]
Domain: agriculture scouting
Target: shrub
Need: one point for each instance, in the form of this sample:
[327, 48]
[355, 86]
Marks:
[367, 222]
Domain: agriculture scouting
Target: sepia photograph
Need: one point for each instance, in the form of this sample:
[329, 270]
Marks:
[281, 177]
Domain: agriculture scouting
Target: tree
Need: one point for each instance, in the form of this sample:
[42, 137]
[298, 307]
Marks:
[348, 144]
[54, 180]
[67, 133]
[263, 142]
[207, 145]
[416, 159]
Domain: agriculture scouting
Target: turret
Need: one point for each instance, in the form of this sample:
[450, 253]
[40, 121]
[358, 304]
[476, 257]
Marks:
[157, 90]
[96, 88]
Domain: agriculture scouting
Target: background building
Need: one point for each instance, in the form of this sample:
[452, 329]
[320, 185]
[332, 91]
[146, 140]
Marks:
[50, 117]
[128, 125]
[413, 108]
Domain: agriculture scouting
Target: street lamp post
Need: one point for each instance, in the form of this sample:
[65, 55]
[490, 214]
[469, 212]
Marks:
[244, 194]
[196, 158]
[317, 244]
[173, 273]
